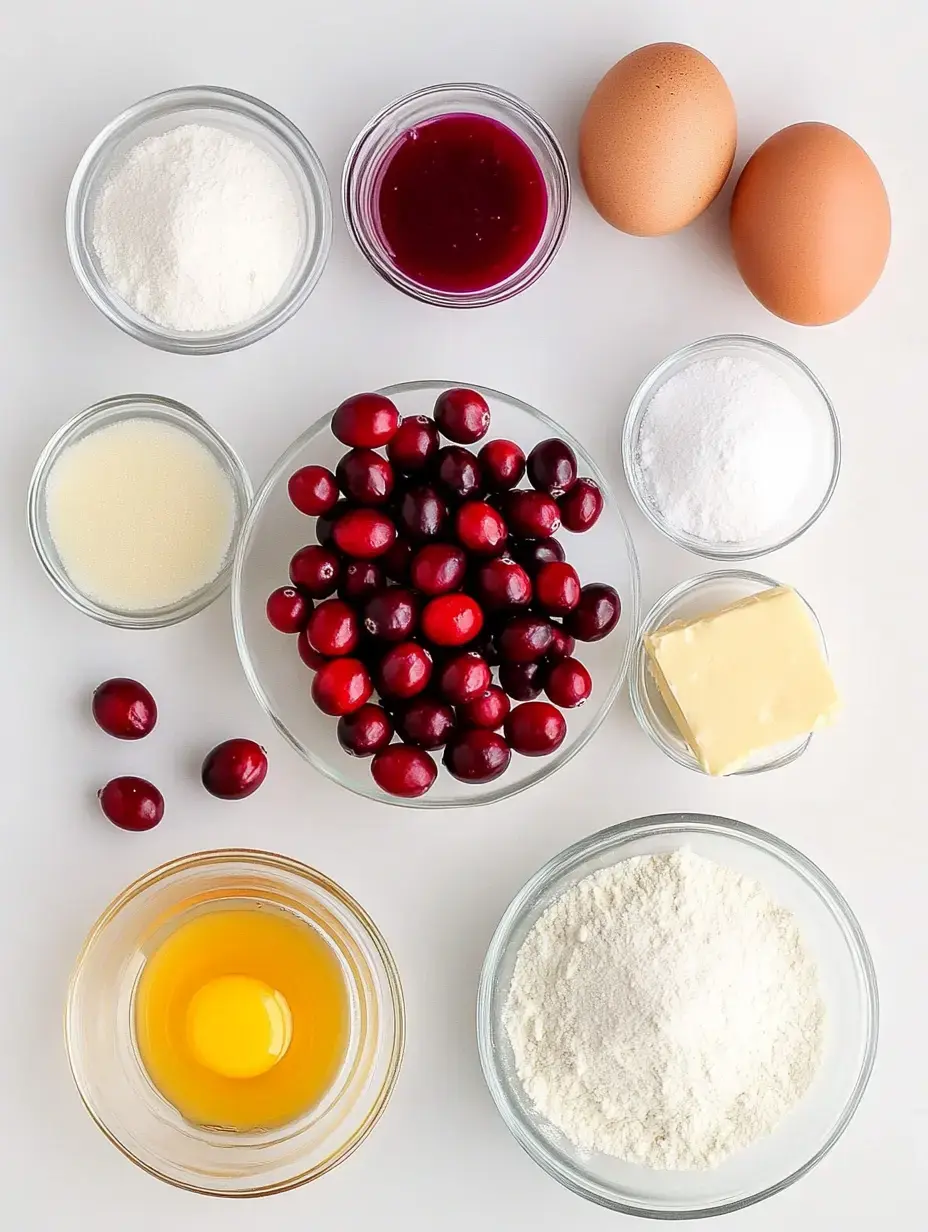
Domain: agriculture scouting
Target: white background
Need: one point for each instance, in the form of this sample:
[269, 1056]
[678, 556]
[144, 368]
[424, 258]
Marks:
[575, 345]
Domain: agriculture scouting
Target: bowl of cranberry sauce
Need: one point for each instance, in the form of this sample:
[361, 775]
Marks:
[458, 195]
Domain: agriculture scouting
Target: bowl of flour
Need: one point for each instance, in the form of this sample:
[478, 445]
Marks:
[731, 447]
[678, 1016]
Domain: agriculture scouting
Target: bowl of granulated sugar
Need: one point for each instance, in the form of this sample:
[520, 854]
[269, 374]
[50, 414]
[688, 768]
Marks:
[731, 447]
[199, 220]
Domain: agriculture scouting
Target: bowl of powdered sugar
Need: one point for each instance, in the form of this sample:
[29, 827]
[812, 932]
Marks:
[199, 220]
[677, 1016]
[731, 447]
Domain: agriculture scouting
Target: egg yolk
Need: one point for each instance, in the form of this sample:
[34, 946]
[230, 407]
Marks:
[238, 1026]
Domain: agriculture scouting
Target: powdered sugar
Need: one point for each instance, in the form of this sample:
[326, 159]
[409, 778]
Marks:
[665, 1011]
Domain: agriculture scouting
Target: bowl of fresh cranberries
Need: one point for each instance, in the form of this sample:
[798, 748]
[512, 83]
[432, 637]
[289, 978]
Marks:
[435, 595]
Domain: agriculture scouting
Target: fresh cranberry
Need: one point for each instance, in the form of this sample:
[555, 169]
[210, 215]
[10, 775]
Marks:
[333, 628]
[405, 670]
[365, 731]
[533, 553]
[325, 523]
[489, 710]
[315, 570]
[402, 770]
[124, 708]
[568, 684]
[552, 467]
[438, 568]
[464, 677]
[313, 490]
[413, 445]
[503, 583]
[364, 533]
[397, 559]
[288, 609]
[502, 464]
[364, 476]
[532, 515]
[535, 729]
[451, 620]
[234, 769]
[131, 803]
[391, 614]
[477, 755]
[341, 686]
[523, 681]
[581, 506]
[525, 638]
[422, 513]
[360, 580]
[462, 415]
[458, 471]
[563, 645]
[480, 529]
[365, 421]
[557, 588]
[596, 615]
[425, 721]
[311, 657]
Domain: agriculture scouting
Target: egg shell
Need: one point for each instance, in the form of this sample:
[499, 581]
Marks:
[810, 224]
[657, 139]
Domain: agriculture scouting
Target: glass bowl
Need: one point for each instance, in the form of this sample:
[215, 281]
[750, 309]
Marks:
[275, 530]
[104, 1058]
[823, 423]
[849, 990]
[243, 116]
[113, 410]
[696, 597]
[365, 163]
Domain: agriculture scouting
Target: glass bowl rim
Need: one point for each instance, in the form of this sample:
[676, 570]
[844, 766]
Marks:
[613, 839]
[639, 403]
[216, 858]
[314, 185]
[549, 765]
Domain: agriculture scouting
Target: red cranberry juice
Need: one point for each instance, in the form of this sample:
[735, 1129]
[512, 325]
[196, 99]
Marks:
[462, 203]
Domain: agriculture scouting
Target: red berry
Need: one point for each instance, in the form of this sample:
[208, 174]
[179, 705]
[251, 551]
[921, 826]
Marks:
[341, 686]
[365, 421]
[557, 588]
[413, 444]
[325, 523]
[360, 580]
[464, 677]
[480, 529]
[404, 670]
[568, 683]
[438, 568]
[462, 415]
[532, 515]
[451, 620]
[563, 645]
[402, 770]
[552, 467]
[287, 609]
[425, 722]
[315, 570]
[422, 514]
[458, 471]
[502, 464]
[581, 506]
[364, 533]
[366, 731]
[313, 490]
[312, 658]
[523, 681]
[596, 615]
[525, 638]
[391, 614]
[396, 560]
[234, 769]
[124, 708]
[535, 729]
[131, 803]
[488, 711]
[533, 553]
[502, 584]
[333, 628]
[477, 756]
[364, 476]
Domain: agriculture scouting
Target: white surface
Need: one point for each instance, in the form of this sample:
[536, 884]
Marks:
[575, 345]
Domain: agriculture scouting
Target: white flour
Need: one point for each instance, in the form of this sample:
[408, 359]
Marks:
[197, 229]
[665, 1011]
[724, 450]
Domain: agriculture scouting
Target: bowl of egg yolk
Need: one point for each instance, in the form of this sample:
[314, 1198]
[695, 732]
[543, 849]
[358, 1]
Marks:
[235, 1023]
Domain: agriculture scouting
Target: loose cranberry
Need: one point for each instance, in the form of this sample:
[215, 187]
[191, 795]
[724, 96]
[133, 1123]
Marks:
[451, 620]
[397, 559]
[313, 490]
[360, 580]
[502, 464]
[535, 729]
[568, 684]
[311, 657]
[596, 615]
[525, 638]
[563, 645]
[124, 708]
[341, 686]
[480, 529]
[364, 476]
[333, 628]
[532, 515]
[464, 677]
[581, 506]
[405, 670]
[438, 568]
[489, 710]
[413, 445]
[458, 471]
[462, 415]
[325, 523]
[503, 583]
[533, 553]
[288, 609]
[557, 588]
[391, 614]
[425, 721]
[365, 421]
[234, 769]
[477, 756]
[315, 570]
[552, 467]
[366, 731]
[402, 770]
[131, 803]
[422, 513]
[364, 533]
[523, 681]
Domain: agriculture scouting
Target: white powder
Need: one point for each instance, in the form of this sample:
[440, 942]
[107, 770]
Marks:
[724, 450]
[198, 229]
[665, 1011]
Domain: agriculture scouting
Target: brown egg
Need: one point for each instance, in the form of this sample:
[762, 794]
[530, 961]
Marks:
[657, 139]
[810, 224]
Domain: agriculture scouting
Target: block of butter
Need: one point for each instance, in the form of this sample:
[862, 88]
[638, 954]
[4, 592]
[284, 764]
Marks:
[743, 678]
